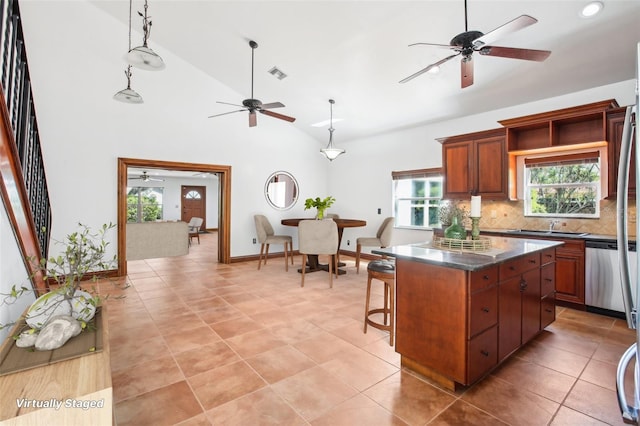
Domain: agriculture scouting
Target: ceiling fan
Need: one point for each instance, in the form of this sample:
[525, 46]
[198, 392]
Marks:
[475, 41]
[252, 105]
[146, 178]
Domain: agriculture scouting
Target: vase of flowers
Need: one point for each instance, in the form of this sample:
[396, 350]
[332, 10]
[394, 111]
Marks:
[320, 204]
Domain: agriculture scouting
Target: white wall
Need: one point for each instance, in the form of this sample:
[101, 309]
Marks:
[12, 272]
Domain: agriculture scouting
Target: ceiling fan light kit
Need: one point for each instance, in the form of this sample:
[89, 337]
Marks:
[330, 151]
[468, 42]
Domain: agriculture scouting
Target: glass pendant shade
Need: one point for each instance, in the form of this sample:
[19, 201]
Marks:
[145, 58]
[332, 153]
[128, 96]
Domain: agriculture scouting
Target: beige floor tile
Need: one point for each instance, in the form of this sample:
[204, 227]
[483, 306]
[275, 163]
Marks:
[280, 363]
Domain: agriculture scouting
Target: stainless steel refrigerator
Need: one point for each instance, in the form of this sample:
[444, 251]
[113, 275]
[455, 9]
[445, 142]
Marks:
[630, 291]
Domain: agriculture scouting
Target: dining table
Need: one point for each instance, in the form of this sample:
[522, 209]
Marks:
[313, 264]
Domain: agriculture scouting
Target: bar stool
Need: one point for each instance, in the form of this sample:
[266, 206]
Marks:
[383, 270]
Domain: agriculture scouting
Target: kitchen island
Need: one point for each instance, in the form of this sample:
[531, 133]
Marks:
[460, 313]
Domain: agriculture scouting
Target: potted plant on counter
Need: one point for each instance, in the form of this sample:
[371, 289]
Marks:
[70, 305]
[320, 204]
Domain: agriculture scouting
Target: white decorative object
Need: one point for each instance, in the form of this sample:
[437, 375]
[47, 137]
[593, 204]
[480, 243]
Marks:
[476, 207]
[53, 303]
[57, 332]
[27, 339]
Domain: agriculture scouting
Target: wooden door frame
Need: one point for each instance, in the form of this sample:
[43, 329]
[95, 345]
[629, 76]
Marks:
[224, 202]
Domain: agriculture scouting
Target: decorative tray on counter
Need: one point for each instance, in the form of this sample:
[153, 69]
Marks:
[481, 244]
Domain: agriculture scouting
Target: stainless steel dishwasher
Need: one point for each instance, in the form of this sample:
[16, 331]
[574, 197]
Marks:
[603, 291]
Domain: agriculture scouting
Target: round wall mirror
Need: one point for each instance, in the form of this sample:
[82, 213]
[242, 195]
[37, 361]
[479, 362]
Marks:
[281, 190]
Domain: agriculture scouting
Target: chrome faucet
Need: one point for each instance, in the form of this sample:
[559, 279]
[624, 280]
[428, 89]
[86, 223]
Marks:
[552, 224]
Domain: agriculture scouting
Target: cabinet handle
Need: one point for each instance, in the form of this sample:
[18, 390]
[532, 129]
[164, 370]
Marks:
[548, 255]
[523, 285]
[548, 310]
[513, 268]
[485, 353]
[533, 261]
[485, 277]
[548, 279]
[485, 309]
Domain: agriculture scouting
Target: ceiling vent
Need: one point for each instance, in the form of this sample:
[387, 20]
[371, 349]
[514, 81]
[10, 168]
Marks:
[277, 73]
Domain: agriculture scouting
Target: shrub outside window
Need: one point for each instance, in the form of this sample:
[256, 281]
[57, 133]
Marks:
[563, 186]
[416, 197]
[144, 204]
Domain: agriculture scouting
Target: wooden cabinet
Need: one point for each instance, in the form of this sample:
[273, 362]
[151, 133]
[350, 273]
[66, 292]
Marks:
[455, 326]
[475, 163]
[568, 270]
[615, 125]
[569, 126]
[570, 273]
[519, 297]
[547, 288]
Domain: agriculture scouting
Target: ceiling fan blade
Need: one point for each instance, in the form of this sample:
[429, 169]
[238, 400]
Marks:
[253, 119]
[422, 71]
[515, 53]
[519, 23]
[272, 105]
[466, 71]
[276, 115]
[225, 113]
[227, 103]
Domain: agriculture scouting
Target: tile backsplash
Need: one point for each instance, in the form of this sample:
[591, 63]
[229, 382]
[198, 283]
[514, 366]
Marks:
[509, 215]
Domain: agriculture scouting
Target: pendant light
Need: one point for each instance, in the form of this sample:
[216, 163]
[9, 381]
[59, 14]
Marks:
[128, 95]
[330, 151]
[142, 56]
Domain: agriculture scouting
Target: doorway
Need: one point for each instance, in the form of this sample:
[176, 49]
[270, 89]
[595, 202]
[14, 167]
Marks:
[224, 202]
[193, 200]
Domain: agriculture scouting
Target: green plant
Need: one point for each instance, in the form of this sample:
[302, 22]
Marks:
[84, 253]
[450, 209]
[320, 204]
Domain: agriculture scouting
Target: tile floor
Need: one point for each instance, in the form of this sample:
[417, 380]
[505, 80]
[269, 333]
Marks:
[195, 342]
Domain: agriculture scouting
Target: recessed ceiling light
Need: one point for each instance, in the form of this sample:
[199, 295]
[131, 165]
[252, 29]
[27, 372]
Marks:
[592, 9]
[325, 122]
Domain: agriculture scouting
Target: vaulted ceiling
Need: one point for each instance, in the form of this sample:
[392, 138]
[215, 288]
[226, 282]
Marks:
[356, 52]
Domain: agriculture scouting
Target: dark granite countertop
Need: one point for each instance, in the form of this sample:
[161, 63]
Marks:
[502, 249]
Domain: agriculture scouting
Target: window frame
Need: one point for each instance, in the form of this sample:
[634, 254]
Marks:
[560, 159]
[429, 173]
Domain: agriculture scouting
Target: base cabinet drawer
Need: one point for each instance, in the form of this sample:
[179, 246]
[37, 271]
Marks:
[483, 310]
[483, 354]
[547, 310]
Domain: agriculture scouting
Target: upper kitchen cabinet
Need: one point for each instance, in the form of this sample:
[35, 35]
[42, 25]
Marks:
[475, 164]
[560, 128]
[615, 124]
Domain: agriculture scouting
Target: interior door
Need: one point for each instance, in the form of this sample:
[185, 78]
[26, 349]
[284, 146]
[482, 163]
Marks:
[194, 203]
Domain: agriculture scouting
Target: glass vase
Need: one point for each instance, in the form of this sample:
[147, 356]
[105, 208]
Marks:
[455, 231]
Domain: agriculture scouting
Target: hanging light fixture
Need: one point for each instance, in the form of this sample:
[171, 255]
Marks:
[330, 151]
[142, 56]
[128, 95]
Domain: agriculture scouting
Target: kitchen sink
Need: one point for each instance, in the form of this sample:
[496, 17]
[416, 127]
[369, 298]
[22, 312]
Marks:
[547, 232]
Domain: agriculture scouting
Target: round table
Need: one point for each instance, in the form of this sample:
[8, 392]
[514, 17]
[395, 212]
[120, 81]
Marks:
[313, 265]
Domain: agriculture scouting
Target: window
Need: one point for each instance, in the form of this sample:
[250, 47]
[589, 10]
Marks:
[416, 197]
[144, 204]
[563, 185]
